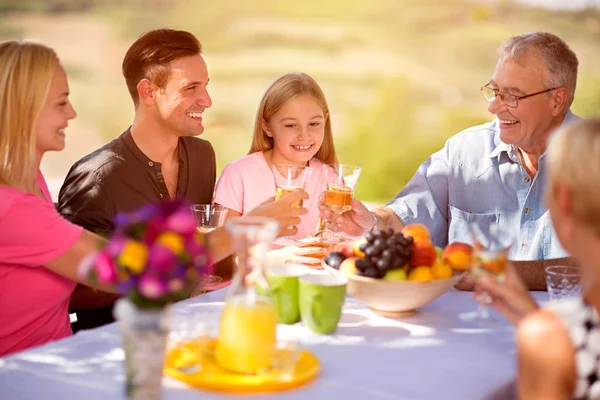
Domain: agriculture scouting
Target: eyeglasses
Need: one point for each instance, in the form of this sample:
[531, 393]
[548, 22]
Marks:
[509, 99]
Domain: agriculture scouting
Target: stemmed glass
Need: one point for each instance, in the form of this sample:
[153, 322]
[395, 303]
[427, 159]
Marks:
[491, 245]
[289, 179]
[340, 181]
[208, 218]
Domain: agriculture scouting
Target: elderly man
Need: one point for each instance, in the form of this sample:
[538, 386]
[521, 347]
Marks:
[494, 173]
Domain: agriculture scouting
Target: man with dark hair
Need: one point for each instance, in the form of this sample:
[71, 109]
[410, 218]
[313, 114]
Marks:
[158, 157]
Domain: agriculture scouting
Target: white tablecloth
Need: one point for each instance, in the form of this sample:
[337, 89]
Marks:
[432, 355]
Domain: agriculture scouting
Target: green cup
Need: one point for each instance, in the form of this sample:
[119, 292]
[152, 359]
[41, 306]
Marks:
[284, 285]
[322, 297]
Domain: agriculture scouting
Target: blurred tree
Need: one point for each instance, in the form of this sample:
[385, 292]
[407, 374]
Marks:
[402, 128]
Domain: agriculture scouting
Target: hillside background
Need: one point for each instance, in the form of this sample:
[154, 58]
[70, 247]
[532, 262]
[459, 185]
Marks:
[401, 76]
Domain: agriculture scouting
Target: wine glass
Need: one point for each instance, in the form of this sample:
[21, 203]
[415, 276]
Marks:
[289, 179]
[491, 245]
[340, 181]
[208, 218]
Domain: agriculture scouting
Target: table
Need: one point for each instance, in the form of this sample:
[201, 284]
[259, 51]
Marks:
[431, 355]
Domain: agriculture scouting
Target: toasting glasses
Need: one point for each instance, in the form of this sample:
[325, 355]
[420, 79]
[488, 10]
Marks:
[289, 179]
[208, 218]
[491, 245]
[340, 181]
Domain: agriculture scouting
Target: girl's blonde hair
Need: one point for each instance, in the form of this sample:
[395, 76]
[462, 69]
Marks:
[574, 160]
[285, 88]
[26, 73]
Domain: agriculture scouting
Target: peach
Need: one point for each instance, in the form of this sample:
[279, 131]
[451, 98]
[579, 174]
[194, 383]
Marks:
[423, 253]
[458, 255]
[418, 232]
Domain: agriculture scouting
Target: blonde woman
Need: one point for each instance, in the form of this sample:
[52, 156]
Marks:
[292, 126]
[559, 346]
[39, 250]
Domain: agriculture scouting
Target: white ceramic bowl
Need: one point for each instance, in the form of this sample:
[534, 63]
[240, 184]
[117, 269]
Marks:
[396, 299]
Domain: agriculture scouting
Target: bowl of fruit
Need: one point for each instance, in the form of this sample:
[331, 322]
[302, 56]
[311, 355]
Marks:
[395, 273]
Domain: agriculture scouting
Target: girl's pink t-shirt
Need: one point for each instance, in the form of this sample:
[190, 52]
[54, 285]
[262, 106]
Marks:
[249, 181]
[34, 301]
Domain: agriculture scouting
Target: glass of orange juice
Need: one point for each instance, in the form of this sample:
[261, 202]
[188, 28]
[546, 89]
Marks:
[340, 181]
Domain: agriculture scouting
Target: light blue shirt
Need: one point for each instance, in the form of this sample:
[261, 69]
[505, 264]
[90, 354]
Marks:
[476, 178]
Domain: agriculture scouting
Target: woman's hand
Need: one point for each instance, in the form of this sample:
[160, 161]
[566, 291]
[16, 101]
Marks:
[511, 298]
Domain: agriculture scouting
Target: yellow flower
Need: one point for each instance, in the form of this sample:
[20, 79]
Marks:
[134, 256]
[172, 241]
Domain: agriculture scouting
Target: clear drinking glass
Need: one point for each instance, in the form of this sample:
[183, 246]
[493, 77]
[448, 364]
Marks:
[562, 282]
[491, 245]
[209, 217]
[340, 181]
[289, 179]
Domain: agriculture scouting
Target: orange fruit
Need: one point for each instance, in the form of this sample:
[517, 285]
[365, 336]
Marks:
[421, 274]
[441, 270]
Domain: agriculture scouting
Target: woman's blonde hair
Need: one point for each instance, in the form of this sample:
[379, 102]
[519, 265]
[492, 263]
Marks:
[285, 88]
[574, 160]
[26, 73]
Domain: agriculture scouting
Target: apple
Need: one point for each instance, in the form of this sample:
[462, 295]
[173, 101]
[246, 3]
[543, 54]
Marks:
[346, 249]
[348, 266]
[395, 275]
[423, 253]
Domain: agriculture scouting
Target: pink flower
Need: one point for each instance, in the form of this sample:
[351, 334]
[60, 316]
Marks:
[151, 287]
[182, 222]
[115, 245]
[105, 268]
[162, 258]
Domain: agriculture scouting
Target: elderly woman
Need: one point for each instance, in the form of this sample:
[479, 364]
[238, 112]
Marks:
[39, 250]
[559, 346]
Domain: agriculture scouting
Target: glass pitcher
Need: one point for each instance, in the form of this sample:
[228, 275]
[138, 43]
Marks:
[247, 333]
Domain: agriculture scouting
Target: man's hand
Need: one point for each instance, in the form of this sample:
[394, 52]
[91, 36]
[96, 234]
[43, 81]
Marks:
[283, 211]
[511, 298]
[354, 222]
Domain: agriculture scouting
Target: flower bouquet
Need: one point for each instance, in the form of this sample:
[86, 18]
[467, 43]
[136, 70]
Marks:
[155, 256]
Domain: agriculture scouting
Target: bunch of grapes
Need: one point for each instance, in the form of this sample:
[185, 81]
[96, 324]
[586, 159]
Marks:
[385, 250]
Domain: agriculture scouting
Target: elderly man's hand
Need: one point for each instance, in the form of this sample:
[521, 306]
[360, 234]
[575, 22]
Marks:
[354, 222]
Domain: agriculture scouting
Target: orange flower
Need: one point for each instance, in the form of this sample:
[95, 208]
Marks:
[172, 241]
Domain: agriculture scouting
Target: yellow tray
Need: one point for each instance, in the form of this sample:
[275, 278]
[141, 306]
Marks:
[194, 364]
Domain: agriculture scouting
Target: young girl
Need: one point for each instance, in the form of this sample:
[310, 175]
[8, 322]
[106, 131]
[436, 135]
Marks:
[292, 126]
